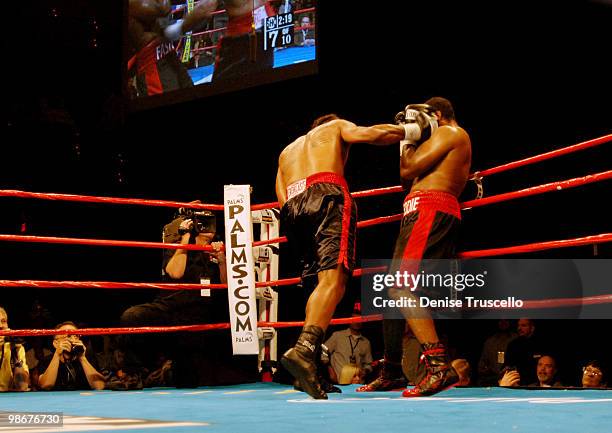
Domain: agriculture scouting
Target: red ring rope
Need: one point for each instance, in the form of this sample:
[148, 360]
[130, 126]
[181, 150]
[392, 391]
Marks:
[545, 156]
[358, 194]
[163, 329]
[106, 200]
[160, 286]
[103, 242]
[538, 246]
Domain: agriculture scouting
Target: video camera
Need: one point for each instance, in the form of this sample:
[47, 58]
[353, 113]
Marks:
[203, 221]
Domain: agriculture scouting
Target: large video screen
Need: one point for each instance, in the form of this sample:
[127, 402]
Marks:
[185, 49]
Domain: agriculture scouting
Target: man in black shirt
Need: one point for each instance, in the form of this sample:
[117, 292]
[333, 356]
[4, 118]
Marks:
[182, 307]
[68, 368]
[524, 352]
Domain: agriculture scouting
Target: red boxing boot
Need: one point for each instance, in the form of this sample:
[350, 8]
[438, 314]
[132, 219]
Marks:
[440, 374]
[390, 378]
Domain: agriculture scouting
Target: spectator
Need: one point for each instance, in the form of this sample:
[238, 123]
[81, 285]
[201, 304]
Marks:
[180, 307]
[305, 35]
[510, 377]
[547, 373]
[351, 354]
[493, 354]
[592, 375]
[464, 370]
[68, 368]
[524, 351]
[14, 373]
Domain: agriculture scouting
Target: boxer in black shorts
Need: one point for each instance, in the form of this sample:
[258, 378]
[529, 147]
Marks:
[321, 208]
[319, 217]
[436, 160]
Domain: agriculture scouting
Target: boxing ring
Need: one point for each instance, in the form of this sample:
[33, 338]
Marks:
[230, 409]
[269, 407]
[285, 56]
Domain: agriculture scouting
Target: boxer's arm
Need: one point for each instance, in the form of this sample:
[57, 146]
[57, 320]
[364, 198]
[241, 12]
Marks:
[149, 8]
[202, 12]
[381, 135]
[415, 162]
[281, 190]
[175, 268]
[193, 20]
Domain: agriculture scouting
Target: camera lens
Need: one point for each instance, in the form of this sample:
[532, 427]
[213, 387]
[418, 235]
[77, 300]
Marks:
[77, 350]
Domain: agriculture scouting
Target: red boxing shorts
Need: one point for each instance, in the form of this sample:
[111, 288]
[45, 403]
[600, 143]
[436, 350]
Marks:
[320, 221]
[429, 229]
[159, 70]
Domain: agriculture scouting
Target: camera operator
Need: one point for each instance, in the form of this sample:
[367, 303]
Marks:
[14, 373]
[192, 266]
[180, 307]
[68, 368]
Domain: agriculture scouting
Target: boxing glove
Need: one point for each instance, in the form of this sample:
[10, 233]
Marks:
[174, 31]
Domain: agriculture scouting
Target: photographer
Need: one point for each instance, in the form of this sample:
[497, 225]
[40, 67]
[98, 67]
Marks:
[192, 266]
[68, 367]
[180, 307]
[14, 373]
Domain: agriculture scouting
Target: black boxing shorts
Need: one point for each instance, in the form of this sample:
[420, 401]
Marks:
[429, 229]
[242, 57]
[241, 54]
[320, 221]
[158, 69]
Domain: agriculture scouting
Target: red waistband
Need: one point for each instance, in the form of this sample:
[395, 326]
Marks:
[326, 177]
[432, 200]
[299, 186]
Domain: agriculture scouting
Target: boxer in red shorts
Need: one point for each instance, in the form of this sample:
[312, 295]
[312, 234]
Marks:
[435, 165]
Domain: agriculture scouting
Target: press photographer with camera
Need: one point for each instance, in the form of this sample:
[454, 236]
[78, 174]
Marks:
[194, 227]
[181, 307]
[14, 374]
[68, 368]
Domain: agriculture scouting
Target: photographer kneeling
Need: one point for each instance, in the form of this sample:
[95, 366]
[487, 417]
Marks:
[182, 307]
[68, 368]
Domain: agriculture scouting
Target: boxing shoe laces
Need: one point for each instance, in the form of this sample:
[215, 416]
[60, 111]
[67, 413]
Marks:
[440, 374]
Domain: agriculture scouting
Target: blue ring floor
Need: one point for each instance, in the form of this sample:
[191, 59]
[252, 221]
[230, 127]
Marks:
[270, 407]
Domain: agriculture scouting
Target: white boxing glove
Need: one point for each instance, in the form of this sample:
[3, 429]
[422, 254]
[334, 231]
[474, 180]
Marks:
[416, 122]
[174, 31]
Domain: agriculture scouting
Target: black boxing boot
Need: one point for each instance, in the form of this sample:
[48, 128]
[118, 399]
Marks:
[440, 374]
[300, 361]
[326, 386]
[391, 377]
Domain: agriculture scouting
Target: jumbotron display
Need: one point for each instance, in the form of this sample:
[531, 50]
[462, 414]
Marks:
[184, 49]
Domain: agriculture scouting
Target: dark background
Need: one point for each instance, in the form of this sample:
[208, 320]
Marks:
[525, 78]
